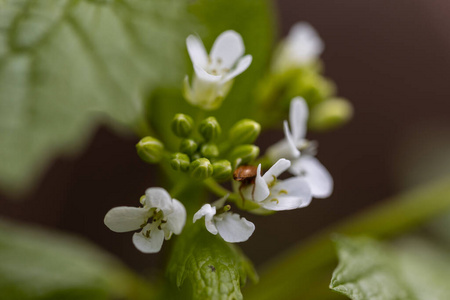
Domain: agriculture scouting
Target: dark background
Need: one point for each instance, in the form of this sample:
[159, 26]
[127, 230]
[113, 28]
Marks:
[390, 58]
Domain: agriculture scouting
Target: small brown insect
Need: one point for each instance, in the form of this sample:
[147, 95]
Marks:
[246, 175]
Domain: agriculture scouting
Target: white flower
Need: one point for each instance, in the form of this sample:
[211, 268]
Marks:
[301, 47]
[214, 74]
[230, 226]
[159, 218]
[304, 164]
[273, 194]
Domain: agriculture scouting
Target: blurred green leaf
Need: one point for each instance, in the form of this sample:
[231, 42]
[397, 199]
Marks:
[204, 266]
[369, 270]
[35, 264]
[65, 64]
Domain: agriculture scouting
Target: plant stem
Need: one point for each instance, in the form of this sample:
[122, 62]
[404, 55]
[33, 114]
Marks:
[303, 266]
[219, 190]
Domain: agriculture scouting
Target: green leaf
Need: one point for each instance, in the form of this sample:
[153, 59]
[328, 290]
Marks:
[368, 270]
[204, 266]
[66, 65]
[35, 264]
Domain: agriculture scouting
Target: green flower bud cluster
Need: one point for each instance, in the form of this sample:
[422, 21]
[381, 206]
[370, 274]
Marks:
[198, 152]
[203, 155]
[277, 89]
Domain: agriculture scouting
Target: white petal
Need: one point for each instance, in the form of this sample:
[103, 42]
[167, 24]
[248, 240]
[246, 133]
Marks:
[279, 167]
[150, 244]
[208, 212]
[124, 218]
[280, 149]
[293, 151]
[228, 47]
[298, 116]
[205, 210]
[232, 228]
[317, 176]
[242, 65]
[205, 76]
[197, 51]
[288, 194]
[177, 219]
[159, 198]
[304, 43]
[261, 191]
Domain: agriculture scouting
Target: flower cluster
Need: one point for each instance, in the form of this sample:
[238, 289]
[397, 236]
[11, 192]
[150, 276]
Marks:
[158, 219]
[206, 155]
[214, 73]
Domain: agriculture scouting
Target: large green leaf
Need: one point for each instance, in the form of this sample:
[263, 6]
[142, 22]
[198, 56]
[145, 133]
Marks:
[203, 266]
[66, 63]
[368, 270]
[35, 264]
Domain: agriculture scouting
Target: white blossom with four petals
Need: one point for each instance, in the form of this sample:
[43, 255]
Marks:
[159, 218]
[304, 164]
[273, 194]
[214, 73]
[230, 226]
[302, 46]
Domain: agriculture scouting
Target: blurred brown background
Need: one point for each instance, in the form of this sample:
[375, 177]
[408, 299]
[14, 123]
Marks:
[390, 58]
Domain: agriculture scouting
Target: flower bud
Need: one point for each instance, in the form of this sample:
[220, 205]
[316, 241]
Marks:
[210, 129]
[188, 146]
[182, 125]
[150, 150]
[201, 168]
[180, 161]
[244, 132]
[246, 153]
[222, 170]
[209, 150]
[330, 114]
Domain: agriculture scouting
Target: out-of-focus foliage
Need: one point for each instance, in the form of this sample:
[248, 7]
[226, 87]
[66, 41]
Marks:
[204, 266]
[64, 64]
[369, 270]
[35, 264]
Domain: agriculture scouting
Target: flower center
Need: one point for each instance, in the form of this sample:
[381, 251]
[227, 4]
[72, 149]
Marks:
[215, 67]
[155, 220]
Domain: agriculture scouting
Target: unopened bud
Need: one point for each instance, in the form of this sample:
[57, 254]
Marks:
[244, 132]
[180, 162]
[210, 129]
[182, 125]
[150, 150]
[330, 114]
[222, 170]
[246, 153]
[201, 168]
[209, 150]
[313, 87]
[188, 146]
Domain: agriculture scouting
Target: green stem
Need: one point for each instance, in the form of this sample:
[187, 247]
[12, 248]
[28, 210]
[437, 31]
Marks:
[219, 190]
[311, 263]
